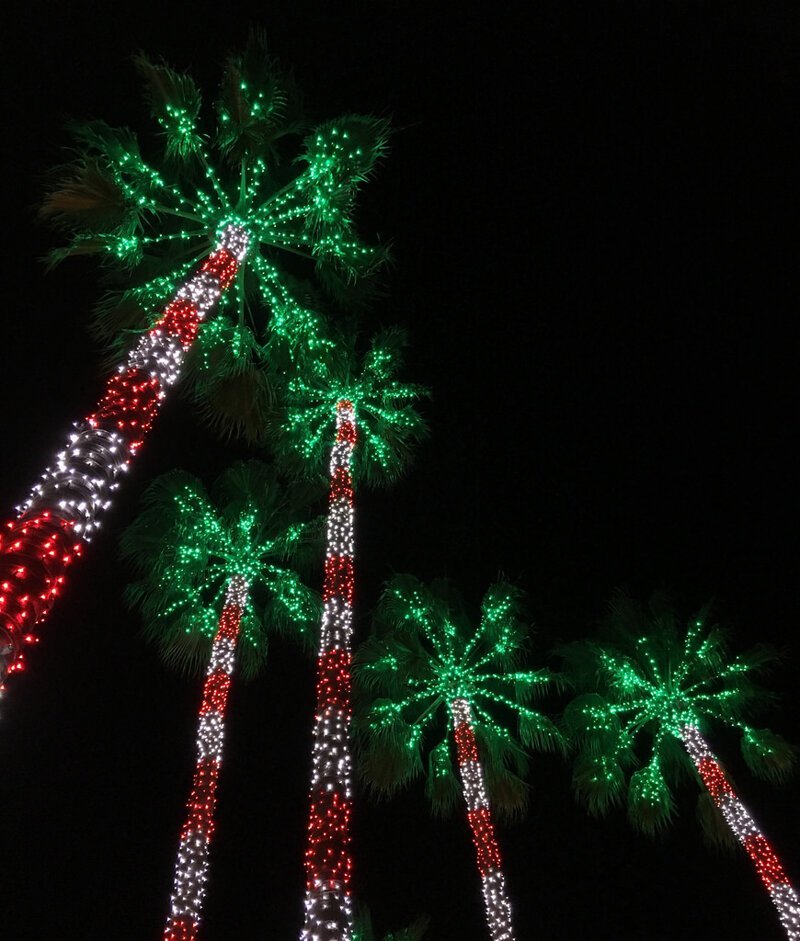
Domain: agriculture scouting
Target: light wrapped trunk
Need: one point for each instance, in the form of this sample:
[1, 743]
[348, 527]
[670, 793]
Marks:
[191, 869]
[479, 814]
[736, 815]
[70, 500]
[328, 864]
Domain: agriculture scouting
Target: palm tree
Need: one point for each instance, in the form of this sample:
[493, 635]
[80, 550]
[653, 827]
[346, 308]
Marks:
[656, 693]
[215, 576]
[354, 413]
[427, 673]
[208, 228]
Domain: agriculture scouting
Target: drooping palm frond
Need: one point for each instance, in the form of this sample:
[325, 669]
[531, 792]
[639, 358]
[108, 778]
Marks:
[388, 425]
[425, 655]
[254, 163]
[188, 544]
[651, 684]
[363, 929]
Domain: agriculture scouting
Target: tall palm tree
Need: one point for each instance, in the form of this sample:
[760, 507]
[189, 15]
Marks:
[215, 577]
[655, 694]
[352, 413]
[210, 226]
[428, 673]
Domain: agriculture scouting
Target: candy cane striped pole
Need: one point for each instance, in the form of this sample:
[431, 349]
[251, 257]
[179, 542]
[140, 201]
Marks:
[328, 863]
[73, 495]
[738, 818]
[479, 814]
[191, 870]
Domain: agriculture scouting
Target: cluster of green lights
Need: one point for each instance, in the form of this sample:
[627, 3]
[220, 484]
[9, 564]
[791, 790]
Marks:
[649, 693]
[243, 172]
[387, 421]
[194, 547]
[432, 656]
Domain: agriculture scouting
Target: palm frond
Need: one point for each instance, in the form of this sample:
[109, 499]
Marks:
[174, 101]
[441, 784]
[767, 754]
[651, 805]
[716, 833]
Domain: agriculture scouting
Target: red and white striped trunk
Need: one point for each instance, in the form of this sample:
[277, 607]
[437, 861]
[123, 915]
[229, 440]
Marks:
[738, 818]
[191, 869]
[67, 504]
[479, 814]
[328, 863]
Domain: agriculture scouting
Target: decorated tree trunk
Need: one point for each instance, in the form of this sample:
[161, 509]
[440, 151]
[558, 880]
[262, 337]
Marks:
[479, 814]
[191, 868]
[738, 818]
[328, 865]
[68, 503]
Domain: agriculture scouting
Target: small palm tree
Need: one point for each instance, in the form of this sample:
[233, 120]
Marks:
[655, 693]
[428, 673]
[353, 414]
[216, 576]
[208, 226]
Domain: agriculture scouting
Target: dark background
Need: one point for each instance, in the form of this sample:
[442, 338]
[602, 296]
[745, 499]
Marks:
[594, 211]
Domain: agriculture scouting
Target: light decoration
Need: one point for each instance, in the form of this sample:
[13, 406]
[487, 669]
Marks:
[191, 871]
[495, 896]
[746, 830]
[664, 688]
[261, 196]
[76, 491]
[432, 674]
[329, 390]
[215, 568]
[328, 862]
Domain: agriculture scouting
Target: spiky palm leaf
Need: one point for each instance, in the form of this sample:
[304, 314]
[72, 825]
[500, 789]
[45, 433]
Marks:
[655, 681]
[259, 166]
[188, 544]
[388, 425]
[422, 657]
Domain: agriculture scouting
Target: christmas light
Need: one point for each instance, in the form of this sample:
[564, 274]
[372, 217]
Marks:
[75, 493]
[328, 863]
[215, 568]
[498, 907]
[191, 872]
[663, 687]
[745, 829]
[425, 665]
[233, 196]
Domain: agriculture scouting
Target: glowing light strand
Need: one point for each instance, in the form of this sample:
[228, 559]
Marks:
[65, 508]
[738, 818]
[495, 896]
[328, 863]
[191, 870]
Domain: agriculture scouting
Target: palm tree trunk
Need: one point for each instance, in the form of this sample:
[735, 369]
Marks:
[69, 501]
[191, 869]
[746, 831]
[328, 864]
[479, 814]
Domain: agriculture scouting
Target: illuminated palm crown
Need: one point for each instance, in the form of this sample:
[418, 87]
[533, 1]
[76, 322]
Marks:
[657, 681]
[189, 546]
[425, 656]
[290, 187]
[388, 426]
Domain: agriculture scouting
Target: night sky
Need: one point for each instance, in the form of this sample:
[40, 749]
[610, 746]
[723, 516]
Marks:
[594, 214]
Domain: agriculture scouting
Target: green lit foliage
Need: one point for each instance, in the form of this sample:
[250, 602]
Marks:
[363, 929]
[149, 214]
[649, 684]
[424, 655]
[187, 545]
[388, 425]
